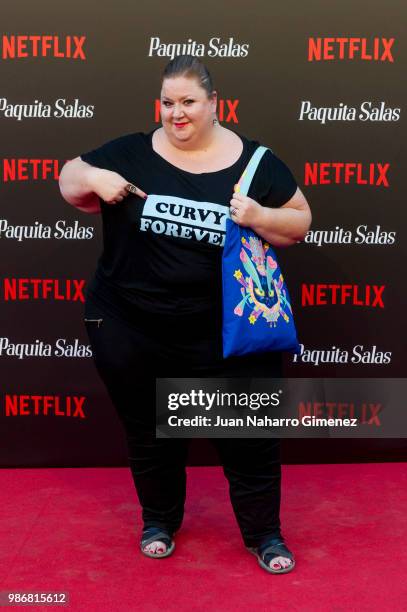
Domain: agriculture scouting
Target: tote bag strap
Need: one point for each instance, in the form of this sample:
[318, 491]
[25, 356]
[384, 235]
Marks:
[245, 180]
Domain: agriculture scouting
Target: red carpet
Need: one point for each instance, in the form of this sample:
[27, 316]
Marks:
[77, 530]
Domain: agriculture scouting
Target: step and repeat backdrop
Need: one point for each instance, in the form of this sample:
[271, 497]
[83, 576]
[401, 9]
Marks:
[322, 85]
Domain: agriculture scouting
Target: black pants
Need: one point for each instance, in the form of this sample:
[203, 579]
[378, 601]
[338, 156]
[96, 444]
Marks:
[128, 358]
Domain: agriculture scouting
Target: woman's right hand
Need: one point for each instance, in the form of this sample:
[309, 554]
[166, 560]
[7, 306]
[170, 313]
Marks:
[110, 186]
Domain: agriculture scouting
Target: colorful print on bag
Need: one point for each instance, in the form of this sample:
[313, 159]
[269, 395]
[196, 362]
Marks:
[262, 289]
[257, 313]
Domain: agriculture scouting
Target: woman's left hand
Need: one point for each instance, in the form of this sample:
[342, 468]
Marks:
[244, 211]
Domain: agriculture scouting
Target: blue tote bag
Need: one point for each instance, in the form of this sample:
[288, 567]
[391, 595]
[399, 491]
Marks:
[257, 313]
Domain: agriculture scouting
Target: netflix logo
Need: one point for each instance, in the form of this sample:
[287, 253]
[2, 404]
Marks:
[365, 412]
[44, 405]
[328, 49]
[226, 111]
[329, 173]
[21, 289]
[23, 169]
[62, 47]
[354, 295]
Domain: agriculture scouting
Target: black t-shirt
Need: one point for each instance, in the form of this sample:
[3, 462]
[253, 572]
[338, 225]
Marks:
[164, 254]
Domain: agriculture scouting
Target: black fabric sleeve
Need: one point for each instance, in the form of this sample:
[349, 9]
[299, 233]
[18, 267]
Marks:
[273, 183]
[109, 156]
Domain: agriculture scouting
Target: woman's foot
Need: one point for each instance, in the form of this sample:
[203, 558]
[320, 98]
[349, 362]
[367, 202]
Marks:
[156, 547]
[156, 542]
[280, 562]
[274, 556]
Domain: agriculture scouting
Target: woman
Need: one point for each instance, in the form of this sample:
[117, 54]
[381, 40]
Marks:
[154, 306]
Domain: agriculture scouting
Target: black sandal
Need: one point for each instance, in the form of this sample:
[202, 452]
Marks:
[273, 548]
[153, 534]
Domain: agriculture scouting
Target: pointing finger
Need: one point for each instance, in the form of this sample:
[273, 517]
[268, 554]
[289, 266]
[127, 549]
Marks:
[133, 189]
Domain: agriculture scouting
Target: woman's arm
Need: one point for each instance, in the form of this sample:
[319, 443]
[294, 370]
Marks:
[76, 185]
[82, 185]
[282, 226]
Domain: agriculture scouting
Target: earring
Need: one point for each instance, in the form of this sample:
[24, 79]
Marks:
[215, 121]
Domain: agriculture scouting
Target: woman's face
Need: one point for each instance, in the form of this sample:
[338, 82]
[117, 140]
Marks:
[186, 111]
